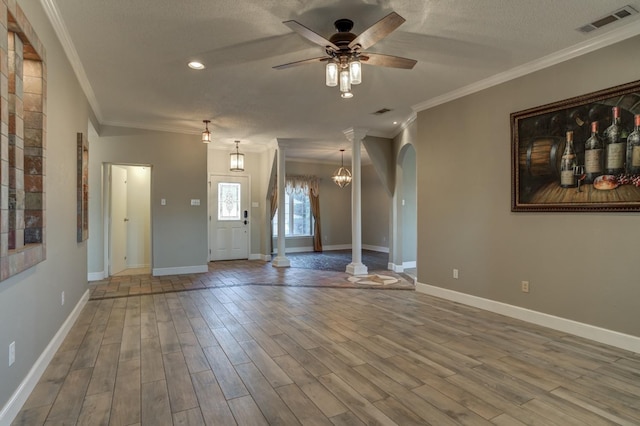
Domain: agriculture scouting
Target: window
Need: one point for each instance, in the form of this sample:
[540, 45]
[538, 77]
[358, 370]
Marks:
[229, 201]
[297, 216]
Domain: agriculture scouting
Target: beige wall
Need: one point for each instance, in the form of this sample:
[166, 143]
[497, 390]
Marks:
[30, 302]
[580, 266]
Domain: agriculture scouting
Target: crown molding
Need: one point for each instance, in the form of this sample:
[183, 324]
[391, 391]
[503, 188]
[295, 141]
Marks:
[59, 27]
[560, 56]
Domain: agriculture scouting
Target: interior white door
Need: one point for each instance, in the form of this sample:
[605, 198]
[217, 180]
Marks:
[118, 219]
[229, 218]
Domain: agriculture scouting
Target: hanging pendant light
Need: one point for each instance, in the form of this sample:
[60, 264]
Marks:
[345, 82]
[355, 70]
[206, 135]
[331, 74]
[237, 160]
[342, 176]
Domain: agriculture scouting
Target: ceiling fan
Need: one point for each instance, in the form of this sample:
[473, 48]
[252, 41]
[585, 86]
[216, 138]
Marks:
[345, 51]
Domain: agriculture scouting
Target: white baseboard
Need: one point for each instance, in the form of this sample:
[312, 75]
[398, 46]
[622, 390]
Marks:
[337, 247]
[260, 256]
[19, 397]
[298, 249]
[180, 270]
[96, 276]
[598, 334]
[138, 265]
[409, 265]
[375, 248]
[395, 268]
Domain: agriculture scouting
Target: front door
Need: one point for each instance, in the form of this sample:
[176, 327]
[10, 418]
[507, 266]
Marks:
[229, 218]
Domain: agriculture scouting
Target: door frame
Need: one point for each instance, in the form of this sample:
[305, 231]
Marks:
[212, 206]
[106, 211]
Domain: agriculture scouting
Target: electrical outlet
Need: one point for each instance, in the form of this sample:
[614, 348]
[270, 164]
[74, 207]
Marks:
[12, 353]
[525, 286]
[62, 299]
[455, 273]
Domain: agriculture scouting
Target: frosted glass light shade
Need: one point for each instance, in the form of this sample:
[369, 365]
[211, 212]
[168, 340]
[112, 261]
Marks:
[345, 81]
[331, 75]
[355, 71]
[237, 162]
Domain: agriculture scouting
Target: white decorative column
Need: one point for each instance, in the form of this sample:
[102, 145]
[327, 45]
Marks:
[356, 267]
[281, 260]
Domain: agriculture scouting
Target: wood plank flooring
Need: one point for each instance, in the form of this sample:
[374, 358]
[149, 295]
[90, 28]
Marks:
[260, 355]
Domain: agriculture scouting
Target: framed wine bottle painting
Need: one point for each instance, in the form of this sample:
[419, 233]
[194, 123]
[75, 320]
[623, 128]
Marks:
[580, 154]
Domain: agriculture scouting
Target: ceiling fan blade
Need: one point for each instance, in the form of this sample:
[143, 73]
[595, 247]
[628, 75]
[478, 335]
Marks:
[377, 31]
[310, 34]
[381, 60]
[303, 62]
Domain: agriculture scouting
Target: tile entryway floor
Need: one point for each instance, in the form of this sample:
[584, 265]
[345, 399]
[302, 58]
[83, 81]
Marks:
[328, 271]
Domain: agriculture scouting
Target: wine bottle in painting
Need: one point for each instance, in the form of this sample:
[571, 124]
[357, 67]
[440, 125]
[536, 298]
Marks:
[568, 164]
[615, 145]
[633, 148]
[593, 155]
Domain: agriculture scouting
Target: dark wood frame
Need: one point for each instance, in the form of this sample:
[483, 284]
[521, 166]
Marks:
[82, 231]
[533, 179]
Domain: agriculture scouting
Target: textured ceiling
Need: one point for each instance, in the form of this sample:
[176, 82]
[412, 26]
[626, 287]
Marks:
[132, 56]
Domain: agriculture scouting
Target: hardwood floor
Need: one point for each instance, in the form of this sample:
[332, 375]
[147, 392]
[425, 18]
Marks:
[258, 355]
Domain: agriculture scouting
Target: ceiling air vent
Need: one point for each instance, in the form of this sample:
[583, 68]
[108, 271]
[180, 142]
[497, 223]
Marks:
[381, 111]
[606, 20]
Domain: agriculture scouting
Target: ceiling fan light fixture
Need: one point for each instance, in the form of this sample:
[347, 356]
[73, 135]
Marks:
[331, 75]
[346, 95]
[206, 135]
[355, 71]
[237, 160]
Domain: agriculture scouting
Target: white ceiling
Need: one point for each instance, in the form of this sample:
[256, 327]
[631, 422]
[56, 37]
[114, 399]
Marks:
[131, 57]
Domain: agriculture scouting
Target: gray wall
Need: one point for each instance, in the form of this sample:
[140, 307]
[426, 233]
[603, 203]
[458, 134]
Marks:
[30, 302]
[580, 266]
[409, 208]
[178, 174]
[375, 209]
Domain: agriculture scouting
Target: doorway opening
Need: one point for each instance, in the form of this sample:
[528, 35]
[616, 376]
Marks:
[128, 224]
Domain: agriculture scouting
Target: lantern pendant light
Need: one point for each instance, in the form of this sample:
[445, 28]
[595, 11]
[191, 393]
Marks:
[206, 135]
[237, 160]
[342, 176]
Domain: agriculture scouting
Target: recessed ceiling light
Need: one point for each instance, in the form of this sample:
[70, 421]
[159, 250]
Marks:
[395, 122]
[196, 65]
